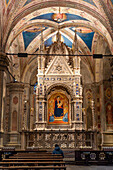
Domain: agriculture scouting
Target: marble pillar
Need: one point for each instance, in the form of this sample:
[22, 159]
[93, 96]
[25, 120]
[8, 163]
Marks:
[26, 106]
[17, 122]
[77, 122]
[40, 95]
[4, 62]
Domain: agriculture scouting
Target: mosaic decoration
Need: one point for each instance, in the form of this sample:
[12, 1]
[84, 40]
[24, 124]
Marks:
[58, 109]
[35, 87]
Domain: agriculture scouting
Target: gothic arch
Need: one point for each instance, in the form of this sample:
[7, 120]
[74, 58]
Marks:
[40, 5]
[67, 88]
[31, 66]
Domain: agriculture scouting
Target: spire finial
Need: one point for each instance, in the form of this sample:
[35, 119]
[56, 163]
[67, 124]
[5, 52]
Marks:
[42, 42]
[58, 37]
[75, 43]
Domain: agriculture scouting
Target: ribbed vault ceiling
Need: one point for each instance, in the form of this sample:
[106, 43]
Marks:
[23, 21]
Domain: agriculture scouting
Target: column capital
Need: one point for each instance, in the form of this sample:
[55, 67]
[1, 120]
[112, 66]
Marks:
[4, 61]
[26, 85]
[16, 87]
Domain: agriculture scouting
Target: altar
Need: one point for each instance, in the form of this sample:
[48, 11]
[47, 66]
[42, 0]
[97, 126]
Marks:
[60, 116]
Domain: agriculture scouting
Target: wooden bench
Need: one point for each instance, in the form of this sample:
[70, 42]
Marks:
[33, 163]
[35, 159]
[33, 167]
[48, 156]
[33, 154]
[36, 156]
[40, 153]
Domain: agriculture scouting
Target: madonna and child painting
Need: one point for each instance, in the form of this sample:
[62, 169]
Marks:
[58, 109]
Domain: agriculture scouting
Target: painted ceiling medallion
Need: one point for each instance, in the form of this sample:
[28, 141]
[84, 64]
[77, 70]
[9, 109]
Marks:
[59, 17]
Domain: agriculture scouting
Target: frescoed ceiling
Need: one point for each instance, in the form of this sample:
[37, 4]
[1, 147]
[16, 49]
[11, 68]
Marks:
[112, 1]
[88, 1]
[7, 1]
[23, 21]
[52, 18]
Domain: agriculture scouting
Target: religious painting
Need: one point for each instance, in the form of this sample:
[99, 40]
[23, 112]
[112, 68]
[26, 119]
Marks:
[109, 114]
[58, 109]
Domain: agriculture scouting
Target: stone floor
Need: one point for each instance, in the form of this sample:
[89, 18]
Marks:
[74, 167]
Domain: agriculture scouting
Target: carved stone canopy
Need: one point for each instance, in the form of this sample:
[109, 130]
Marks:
[58, 47]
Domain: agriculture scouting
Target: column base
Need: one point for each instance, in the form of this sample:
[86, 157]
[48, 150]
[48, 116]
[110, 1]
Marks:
[1, 139]
[14, 140]
[107, 140]
[40, 125]
[77, 125]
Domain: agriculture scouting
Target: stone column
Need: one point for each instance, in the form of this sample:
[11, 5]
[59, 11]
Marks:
[4, 62]
[40, 108]
[77, 102]
[40, 95]
[23, 139]
[103, 118]
[27, 107]
[16, 123]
